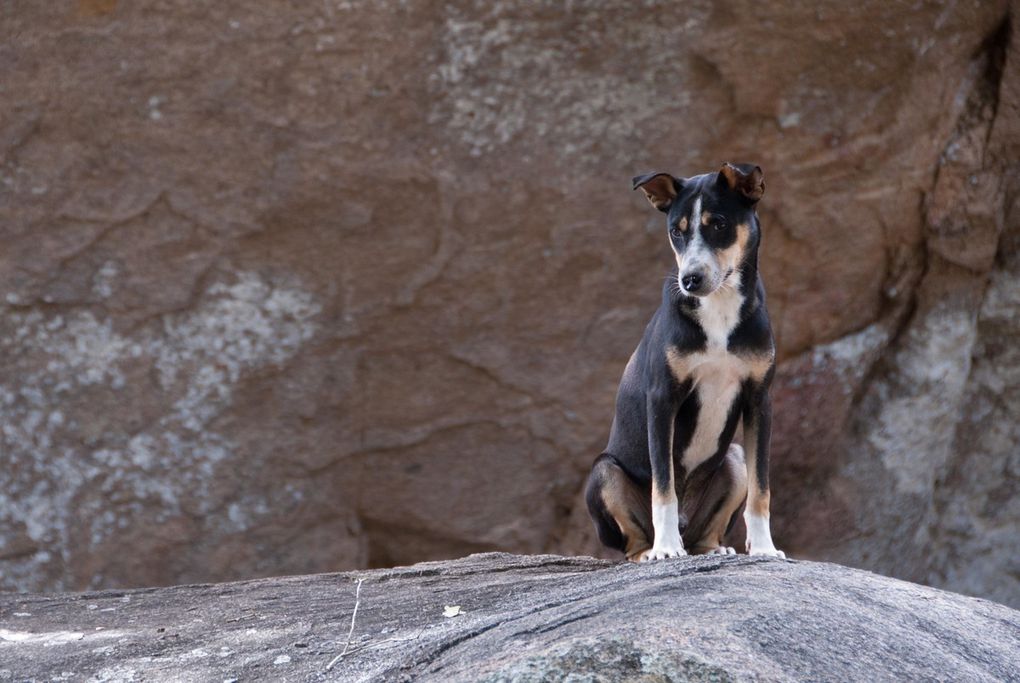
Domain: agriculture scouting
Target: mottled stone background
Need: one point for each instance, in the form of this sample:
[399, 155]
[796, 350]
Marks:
[295, 287]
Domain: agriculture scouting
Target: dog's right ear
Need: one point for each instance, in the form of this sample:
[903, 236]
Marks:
[660, 188]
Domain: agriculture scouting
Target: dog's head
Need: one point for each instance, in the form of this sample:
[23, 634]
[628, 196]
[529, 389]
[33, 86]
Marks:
[711, 222]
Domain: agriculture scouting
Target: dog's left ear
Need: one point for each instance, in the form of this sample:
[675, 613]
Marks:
[747, 179]
[660, 188]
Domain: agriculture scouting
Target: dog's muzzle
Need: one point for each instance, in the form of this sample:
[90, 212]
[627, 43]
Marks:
[701, 283]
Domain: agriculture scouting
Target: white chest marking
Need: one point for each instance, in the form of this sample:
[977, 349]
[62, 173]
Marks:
[716, 377]
[719, 313]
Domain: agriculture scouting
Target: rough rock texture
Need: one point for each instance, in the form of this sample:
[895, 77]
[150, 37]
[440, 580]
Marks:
[539, 618]
[926, 445]
[295, 287]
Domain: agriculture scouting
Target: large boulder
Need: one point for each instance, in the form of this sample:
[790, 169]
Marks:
[293, 287]
[497, 617]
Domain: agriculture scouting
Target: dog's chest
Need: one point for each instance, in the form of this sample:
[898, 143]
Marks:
[716, 379]
[714, 374]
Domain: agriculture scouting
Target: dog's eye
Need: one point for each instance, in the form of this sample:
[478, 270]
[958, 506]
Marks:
[676, 231]
[719, 224]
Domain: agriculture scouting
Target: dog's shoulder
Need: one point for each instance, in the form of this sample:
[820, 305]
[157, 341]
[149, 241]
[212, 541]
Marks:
[668, 332]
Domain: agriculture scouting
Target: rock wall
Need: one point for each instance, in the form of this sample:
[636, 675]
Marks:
[314, 286]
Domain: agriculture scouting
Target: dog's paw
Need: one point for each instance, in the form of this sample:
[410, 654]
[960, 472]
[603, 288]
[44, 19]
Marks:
[721, 550]
[766, 552]
[661, 553]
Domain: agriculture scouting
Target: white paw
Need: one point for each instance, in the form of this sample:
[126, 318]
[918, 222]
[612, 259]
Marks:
[722, 550]
[766, 552]
[661, 553]
[759, 538]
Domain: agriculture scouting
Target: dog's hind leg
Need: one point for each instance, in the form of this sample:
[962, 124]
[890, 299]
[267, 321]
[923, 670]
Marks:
[620, 508]
[711, 500]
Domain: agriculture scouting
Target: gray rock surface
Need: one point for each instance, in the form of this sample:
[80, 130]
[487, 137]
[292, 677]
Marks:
[521, 618]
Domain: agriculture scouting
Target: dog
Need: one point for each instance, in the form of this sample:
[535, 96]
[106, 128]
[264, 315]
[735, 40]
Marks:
[670, 480]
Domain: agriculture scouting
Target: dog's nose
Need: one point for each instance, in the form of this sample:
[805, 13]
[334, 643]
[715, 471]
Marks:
[692, 282]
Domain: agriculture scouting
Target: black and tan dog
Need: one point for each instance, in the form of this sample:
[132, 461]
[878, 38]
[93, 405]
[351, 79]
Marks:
[670, 480]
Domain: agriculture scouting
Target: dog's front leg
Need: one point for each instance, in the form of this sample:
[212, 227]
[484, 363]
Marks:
[661, 409]
[757, 434]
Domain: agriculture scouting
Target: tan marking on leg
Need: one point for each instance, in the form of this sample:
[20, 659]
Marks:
[756, 514]
[624, 501]
[736, 472]
[664, 492]
[757, 500]
[667, 498]
[759, 504]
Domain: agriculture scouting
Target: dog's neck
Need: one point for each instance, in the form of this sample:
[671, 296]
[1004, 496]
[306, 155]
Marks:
[719, 312]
